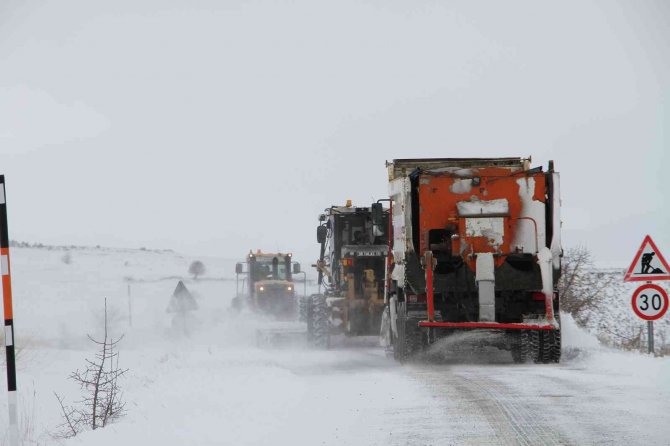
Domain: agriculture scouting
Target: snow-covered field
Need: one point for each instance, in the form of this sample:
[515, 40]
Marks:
[217, 387]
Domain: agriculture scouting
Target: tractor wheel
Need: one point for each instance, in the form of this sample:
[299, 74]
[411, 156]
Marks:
[318, 322]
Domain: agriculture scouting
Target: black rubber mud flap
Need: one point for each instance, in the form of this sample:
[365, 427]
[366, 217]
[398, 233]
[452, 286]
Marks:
[410, 340]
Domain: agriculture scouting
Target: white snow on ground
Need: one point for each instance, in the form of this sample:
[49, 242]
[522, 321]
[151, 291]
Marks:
[217, 387]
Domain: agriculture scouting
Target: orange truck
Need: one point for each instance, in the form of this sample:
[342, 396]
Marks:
[476, 246]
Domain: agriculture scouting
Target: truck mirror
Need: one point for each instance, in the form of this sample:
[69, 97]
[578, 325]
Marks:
[239, 269]
[377, 211]
[296, 268]
[321, 232]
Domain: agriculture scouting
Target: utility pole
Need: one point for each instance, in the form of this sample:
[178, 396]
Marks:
[130, 308]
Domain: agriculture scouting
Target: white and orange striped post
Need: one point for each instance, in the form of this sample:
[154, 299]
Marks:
[9, 319]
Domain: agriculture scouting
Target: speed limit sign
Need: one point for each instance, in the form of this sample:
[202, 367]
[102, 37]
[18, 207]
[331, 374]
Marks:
[650, 302]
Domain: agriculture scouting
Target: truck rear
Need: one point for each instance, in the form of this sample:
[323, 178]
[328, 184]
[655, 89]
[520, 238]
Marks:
[476, 246]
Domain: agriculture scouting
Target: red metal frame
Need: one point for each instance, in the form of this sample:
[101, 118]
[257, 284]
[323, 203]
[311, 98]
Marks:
[494, 325]
[428, 259]
[549, 306]
[429, 265]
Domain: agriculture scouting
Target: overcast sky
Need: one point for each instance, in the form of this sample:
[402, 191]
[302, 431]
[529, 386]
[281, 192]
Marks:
[217, 128]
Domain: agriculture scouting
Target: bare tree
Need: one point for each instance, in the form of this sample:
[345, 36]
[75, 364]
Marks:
[102, 401]
[197, 268]
[581, 287]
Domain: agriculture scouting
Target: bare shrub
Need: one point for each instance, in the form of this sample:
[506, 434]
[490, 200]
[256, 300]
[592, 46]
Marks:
[581, 287]
[102, 400]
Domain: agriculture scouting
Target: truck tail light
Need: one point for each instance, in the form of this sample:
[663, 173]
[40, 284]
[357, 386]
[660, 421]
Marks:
[347, 262]
[539, 295]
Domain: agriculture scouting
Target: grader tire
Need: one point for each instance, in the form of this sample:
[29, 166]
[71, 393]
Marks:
[318, 322]
[303, 303]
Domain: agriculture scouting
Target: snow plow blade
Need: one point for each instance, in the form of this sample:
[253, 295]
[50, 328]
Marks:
[281, 336]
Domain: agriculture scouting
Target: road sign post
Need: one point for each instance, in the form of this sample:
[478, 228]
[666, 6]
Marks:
[130, 308]
[650, 302]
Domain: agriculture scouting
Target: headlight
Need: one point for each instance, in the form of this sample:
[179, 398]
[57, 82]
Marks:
[261, 288]
[290, 288]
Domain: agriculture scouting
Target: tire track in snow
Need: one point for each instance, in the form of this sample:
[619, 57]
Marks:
[507, 410]
[512, 419]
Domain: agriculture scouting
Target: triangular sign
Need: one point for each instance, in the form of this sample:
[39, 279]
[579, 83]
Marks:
[648, 264]
[181, 300]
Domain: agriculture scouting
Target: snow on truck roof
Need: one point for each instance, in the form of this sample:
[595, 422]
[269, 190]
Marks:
[402, 167]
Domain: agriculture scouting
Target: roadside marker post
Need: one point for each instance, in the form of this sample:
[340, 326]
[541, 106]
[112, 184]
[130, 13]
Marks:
[650, 301]
[10, 339]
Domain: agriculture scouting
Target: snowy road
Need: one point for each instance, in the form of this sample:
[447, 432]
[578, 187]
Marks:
[217, 387]
[358, 396]
[212, 393]
[608, 398]
[555, 405]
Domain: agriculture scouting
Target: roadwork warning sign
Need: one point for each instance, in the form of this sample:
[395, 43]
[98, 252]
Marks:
[648, 264]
